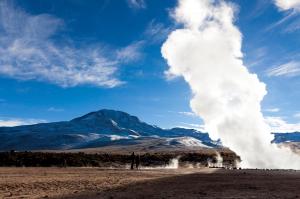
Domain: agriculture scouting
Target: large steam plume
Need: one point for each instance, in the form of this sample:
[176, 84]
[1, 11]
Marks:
[207, 53]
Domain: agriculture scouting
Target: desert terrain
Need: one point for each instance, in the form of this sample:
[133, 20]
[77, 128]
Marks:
[147, 183]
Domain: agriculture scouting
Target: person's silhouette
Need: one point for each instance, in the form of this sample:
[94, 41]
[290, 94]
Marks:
[132, 157]
[137, 161]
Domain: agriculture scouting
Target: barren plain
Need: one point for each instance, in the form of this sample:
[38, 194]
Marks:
[85, 183]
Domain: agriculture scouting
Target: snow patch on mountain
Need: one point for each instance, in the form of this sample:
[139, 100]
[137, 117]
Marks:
[187, 141]
[114, 123]
[118, 137]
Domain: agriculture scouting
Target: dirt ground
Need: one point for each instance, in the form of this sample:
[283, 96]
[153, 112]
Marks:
[82, 183]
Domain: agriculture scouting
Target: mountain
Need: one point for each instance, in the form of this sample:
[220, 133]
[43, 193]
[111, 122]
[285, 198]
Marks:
[291, 140]
[110, 128]
[99, 129]
[286, 137]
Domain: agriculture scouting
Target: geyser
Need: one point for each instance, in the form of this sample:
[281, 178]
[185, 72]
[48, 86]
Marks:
[206, 52]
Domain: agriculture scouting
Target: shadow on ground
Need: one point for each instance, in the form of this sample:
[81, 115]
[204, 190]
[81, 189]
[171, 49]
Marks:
[219, 184]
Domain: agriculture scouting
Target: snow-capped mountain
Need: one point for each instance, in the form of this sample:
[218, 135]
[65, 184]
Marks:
[106, 128]
[98, 129]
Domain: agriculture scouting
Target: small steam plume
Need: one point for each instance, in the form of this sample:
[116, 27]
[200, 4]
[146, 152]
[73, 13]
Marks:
[206, 52]
[173, 164]
[218, 162]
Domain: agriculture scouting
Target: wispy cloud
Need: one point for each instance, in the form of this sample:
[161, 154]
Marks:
[28, 51]
[186, 113]
[256, 56]
[289, 69]
[297, 115]
[131, 52]
[272, 110]
[8, 122]
[279, 125]
[137, 4]
[54, 109]
[286, 18]
[199, 127]
[259, 8]
[157, 32]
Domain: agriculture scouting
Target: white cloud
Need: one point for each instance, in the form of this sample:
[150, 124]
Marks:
[157, 32]
[17, 122]
[53, 109]
[289, 69]
[192, 114]
[288, 4]
[279, 125]
[272, 110]
[297, 115]
[137, 4]
[206, 52]
[28, 51]
[130, 53]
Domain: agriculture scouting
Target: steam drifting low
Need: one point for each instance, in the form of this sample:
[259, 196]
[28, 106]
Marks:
[206, 52]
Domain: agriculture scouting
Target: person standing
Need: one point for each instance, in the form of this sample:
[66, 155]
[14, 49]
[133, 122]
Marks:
[137, 161]
[132, 157]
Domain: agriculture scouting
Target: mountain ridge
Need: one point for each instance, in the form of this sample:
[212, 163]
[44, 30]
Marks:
[98, 128]
[107, 127]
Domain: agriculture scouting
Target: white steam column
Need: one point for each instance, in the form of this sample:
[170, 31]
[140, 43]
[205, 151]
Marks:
[206, 52]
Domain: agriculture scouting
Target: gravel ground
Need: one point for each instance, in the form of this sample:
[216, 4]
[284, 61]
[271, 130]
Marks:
[82, 183]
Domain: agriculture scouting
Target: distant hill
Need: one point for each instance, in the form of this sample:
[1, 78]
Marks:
[110, 128]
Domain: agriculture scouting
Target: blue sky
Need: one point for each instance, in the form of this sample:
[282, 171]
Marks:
[61, 59]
